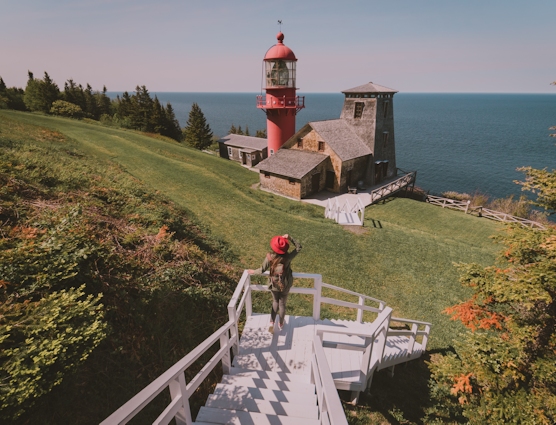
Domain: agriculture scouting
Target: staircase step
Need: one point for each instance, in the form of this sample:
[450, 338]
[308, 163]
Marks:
[309, 399]
[275, 376]
[296, 387]
[249, 404]
[233, 417]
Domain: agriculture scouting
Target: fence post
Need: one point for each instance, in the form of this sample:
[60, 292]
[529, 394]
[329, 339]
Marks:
[360, 311]
[317, 285]
[178, 388]
[234, 330]
[226, 363]
[467, 206]
[248, 301]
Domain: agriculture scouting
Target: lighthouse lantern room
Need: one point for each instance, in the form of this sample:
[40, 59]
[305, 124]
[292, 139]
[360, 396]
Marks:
[280, 102]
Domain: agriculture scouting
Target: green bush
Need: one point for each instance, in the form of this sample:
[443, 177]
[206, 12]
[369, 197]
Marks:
[66, 109]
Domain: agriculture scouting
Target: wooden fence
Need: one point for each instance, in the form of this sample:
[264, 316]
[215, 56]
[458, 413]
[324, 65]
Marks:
[482, 212]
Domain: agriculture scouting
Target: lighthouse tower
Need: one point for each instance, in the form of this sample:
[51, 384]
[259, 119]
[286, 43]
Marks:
[280, 102]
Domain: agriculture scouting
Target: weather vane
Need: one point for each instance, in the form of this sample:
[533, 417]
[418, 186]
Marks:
[280, 23]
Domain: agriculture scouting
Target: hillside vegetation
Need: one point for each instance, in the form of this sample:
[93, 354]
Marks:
[132, 209]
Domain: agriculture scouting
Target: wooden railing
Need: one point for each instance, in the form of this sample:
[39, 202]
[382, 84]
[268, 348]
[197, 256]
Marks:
[180, 391]
[333, 209]
[330, 407]
[419, 330]
[374, 340]
[482, 212]
[174, 380]
[393, 187]
[242, 297]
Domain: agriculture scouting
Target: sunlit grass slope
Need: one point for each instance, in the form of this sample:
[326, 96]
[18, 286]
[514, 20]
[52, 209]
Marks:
[406, 256]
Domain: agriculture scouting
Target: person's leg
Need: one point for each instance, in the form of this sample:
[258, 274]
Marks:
[282, 307]
[275, 305]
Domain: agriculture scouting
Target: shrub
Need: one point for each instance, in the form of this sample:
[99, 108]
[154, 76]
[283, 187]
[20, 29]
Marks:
[66, 109]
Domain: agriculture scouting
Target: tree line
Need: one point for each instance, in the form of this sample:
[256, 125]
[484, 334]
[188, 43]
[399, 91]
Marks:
[137, 111]
[237, 130]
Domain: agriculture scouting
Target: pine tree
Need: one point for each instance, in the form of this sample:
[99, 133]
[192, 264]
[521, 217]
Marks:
[247, 131]
[40, 94]
[504, 369]
[173, 128]
[197, 132]
[142, 106]
[233, 130]
[261, 134]
[239, 130]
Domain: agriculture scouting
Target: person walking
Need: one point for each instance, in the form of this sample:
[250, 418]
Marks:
[280, 279]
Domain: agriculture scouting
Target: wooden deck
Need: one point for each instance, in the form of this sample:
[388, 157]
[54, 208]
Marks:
[289, 350]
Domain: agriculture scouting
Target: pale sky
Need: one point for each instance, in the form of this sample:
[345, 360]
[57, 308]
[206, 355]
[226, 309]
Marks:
[492, 46]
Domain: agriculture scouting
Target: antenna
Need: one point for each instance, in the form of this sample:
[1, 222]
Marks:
[280, 23]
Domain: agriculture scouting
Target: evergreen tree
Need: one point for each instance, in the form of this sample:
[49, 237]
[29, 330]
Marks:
[124, 109]
[40, 94]
[233, 130]
[261, 133]
[247, 131]
[3, 94]
[50, 91]
[239, 130]
[197, 132]
[91, 106]
[173, 128]
[11, 98]
[104, 103]
[504, 369]
[157, 117]
[142, 108]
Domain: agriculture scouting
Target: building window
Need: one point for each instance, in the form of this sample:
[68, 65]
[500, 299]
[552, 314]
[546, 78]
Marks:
[358, 109]
[229, 151]
[321, 146]
[300, 143]
[384, 139]
[272, 152]
[385, 108]
[266, 175]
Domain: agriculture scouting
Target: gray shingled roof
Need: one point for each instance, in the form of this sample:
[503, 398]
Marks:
[370, 88]
[241, 141]
[341, 139]
[292, 163]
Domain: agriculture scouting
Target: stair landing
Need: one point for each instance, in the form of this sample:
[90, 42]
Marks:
[290, 350]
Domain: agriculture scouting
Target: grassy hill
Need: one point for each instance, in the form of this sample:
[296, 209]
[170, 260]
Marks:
[405, 256]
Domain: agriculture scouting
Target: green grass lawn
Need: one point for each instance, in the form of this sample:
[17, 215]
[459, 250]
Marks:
[405, 256]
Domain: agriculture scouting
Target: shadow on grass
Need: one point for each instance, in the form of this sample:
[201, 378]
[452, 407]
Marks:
[401, 399]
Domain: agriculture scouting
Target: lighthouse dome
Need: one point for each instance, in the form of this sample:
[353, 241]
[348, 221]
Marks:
[280, 50]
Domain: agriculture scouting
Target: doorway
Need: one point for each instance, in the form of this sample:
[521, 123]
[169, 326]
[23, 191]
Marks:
[315, 183]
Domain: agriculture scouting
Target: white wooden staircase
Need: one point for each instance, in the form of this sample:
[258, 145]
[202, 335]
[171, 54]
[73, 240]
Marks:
[289, 376]
[259, 397]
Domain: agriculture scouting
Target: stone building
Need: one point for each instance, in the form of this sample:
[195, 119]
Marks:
[246, 150]
[336, 155]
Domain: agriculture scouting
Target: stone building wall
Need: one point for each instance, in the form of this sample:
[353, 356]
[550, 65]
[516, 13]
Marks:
[282, 185]
[310, 142]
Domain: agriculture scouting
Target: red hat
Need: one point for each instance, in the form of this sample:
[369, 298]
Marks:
[279, 244]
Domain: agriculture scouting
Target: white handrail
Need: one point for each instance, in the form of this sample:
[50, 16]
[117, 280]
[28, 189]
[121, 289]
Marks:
[174, 380]
[329, 403]
[375, 335]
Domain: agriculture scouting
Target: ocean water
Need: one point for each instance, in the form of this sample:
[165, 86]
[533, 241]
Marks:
[461, 142]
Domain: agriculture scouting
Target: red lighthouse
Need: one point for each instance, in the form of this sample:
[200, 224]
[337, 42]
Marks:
[280, 102]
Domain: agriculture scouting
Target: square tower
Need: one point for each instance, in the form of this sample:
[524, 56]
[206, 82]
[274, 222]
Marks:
[369, 111]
